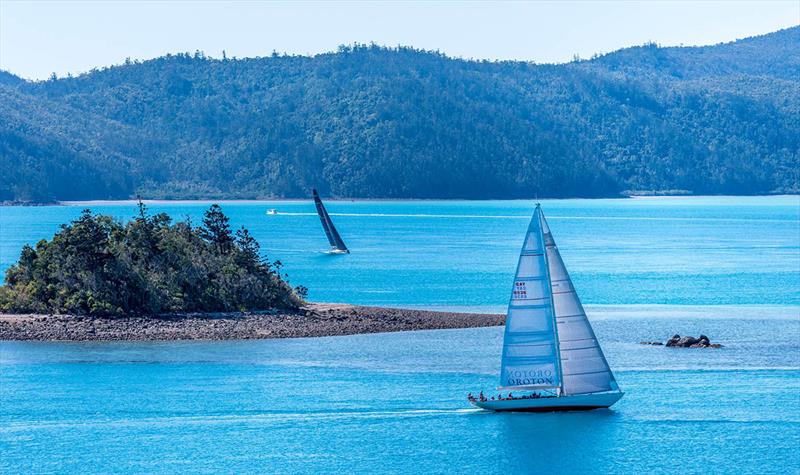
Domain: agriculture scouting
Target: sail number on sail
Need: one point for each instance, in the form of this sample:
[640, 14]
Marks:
[520, 292]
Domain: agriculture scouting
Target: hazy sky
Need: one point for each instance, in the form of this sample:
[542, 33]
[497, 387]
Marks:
[37, 38]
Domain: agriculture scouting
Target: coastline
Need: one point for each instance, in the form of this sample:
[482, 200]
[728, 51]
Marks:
[179, 201]
[313, 320]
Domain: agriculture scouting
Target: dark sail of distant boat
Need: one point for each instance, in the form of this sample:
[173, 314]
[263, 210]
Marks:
[337, 245]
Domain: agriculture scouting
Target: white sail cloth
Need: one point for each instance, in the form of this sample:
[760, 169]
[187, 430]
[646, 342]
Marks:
[584, 368]
[530, 351]
[548, 340]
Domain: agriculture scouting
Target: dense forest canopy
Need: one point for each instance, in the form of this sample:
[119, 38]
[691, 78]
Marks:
[150, 265]
[368, 121]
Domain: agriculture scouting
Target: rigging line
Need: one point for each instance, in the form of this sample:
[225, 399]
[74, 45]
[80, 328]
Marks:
[538, 176]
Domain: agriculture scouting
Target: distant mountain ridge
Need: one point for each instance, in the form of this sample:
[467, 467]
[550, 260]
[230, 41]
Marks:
[375, 122]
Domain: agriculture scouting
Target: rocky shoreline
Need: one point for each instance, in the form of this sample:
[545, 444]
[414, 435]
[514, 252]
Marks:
[313, 320]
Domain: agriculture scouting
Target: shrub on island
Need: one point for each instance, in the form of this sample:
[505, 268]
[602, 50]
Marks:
[150, 265]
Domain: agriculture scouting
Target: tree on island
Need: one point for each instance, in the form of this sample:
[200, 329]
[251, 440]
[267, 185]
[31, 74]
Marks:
[149, 265]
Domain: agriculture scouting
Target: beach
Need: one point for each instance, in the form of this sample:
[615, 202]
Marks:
[313, 320]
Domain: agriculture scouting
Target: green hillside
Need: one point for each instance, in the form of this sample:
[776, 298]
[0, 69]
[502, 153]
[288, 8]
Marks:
[367, 121]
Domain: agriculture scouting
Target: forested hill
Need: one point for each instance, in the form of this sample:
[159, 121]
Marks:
[367, 121]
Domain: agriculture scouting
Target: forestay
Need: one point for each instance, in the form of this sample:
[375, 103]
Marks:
[530, 349]
[583, 366]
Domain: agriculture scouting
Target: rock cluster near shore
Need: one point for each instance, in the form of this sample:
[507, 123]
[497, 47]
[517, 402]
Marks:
[678, 341]
[311, 321]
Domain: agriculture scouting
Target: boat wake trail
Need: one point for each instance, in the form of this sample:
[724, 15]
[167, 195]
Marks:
[398, 215]
[252, 418]
[506, 216]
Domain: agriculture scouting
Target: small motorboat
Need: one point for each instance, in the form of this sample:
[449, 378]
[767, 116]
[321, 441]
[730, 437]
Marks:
[272, 211]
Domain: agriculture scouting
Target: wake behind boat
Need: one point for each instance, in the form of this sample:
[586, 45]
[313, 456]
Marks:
[335, 240]
[551, 357]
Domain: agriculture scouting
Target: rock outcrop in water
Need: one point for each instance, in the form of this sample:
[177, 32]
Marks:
[678, 341]
[702, 341]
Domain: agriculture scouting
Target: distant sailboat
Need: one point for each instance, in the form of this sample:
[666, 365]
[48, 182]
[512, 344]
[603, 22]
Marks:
[337, 245]
[551, 357]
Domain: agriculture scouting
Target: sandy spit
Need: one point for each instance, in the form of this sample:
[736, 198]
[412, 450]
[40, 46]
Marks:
[313, 320]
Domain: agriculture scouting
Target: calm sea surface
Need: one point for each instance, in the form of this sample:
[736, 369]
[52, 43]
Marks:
[646, 268]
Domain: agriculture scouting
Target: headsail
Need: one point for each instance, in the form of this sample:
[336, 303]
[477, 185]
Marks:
[330, 231]
[584, 368]
[530, 345]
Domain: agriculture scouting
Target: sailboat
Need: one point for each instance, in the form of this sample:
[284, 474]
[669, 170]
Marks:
[337, 245]
[551, 358]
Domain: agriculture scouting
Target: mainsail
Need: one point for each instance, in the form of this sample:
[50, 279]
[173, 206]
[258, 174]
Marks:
[530, 346]
[330, 231]
[548, 342]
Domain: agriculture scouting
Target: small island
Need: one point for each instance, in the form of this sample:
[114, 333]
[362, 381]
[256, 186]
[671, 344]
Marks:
[155, 279]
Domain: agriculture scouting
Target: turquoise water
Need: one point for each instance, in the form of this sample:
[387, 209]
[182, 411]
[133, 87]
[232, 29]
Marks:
[688, 251]
[726, 267]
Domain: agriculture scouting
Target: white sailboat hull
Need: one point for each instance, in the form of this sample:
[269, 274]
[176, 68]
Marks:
[578, 402]
[337, 251]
